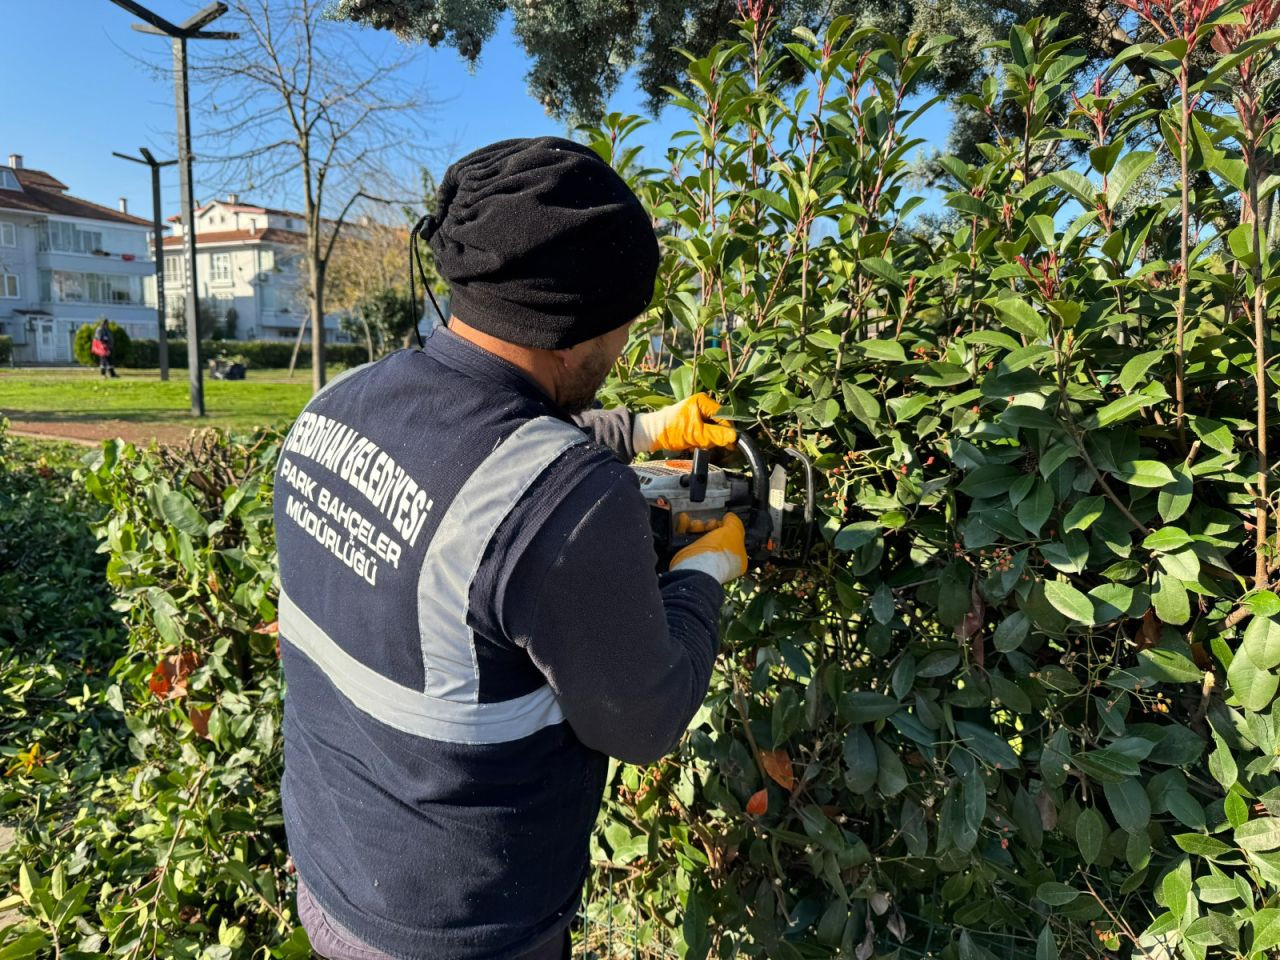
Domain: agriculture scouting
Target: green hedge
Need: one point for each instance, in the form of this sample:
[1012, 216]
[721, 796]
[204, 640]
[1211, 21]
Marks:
[260, 354]
[121, 345]
[6, 349]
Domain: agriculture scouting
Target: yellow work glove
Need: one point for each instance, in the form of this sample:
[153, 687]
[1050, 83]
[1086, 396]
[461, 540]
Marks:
[686, 425]
[721, 553]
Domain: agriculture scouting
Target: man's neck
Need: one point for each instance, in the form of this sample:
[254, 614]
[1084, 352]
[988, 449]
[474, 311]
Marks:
[538, 365]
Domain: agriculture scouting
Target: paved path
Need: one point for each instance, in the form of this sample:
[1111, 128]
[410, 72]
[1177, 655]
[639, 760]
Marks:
[92, 433]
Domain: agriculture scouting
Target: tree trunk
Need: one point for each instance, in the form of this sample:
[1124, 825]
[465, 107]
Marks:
[317, 320]
[368, 336]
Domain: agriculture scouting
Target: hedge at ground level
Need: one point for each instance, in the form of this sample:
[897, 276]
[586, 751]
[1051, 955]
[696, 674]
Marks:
[1021, 701]
[259, 354]
[6, 349]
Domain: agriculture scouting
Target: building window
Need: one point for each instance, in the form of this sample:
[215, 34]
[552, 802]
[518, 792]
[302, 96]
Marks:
[9, 286]
[8, 181]
[63, 286]
[174, 269]
[221, 268]
[61, 237]
[8, 235]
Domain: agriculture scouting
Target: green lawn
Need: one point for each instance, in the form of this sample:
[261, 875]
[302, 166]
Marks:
[138, 396]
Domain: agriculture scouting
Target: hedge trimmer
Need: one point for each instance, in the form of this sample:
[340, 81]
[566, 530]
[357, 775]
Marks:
[689, 497]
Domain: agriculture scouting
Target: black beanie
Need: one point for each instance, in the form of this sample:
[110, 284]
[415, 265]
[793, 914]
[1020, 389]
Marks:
[543, 244]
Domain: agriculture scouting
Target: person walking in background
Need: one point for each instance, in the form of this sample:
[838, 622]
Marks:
[102, 348]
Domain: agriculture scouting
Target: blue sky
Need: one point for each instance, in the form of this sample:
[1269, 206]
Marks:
[76, 94]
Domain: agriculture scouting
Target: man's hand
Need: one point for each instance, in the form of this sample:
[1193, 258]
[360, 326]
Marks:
[721, 553]
[686, 425]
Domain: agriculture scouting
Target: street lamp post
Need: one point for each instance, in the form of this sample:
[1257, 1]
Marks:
[179, 34]
[162, 341]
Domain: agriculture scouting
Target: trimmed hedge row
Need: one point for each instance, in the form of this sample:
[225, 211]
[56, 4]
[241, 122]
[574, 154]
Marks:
[260, 354]
[6, 349]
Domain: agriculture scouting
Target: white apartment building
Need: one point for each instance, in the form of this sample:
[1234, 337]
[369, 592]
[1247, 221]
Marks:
[64, 262]
[249, 258]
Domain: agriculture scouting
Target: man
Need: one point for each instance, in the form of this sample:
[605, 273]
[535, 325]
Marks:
[470, 619]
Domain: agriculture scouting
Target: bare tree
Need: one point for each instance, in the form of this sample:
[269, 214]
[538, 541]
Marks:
[305, 112]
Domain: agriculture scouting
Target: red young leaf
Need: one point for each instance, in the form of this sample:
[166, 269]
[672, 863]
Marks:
[758, 805]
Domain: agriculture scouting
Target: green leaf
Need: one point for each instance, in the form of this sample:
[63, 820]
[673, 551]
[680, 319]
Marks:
[892, 777]
[1116, 600]
[1126, 171]
[1213, 888]
[1213, 433]
[861, 766]
[1240, 240]
[1083, 513]
[972, 206]
[1012, 630]
[1021, 47]
[1169, 666]
[1258, 835]
[1173, 502]
[182, 514]
[1042, 229]
[1046, 945]
[1144, 473]
[954, 593]
[989, 747]
[1200, 845]
[888, 350]
[1069, 601]
[1091, 830]
[1056, 894]
[989, 480]
[863, 406]
[1129, 805]
[1106, 765]
[1137, 368]
[866, 706]
[1262, 642]
[1254, 686]
[1186, 809]
[856, 535]
[1236, 809]
[1222, 765]
[27, 945]
[882, 269]
[1021, 316]
[1121, 408]
[1170, 600]
[1076, 184]
[1167, 539]
[1035, 509]
[1266, 929]
[1263, 603]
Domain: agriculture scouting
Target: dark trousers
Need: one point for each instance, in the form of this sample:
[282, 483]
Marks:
[332, 941]
[105, 367]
